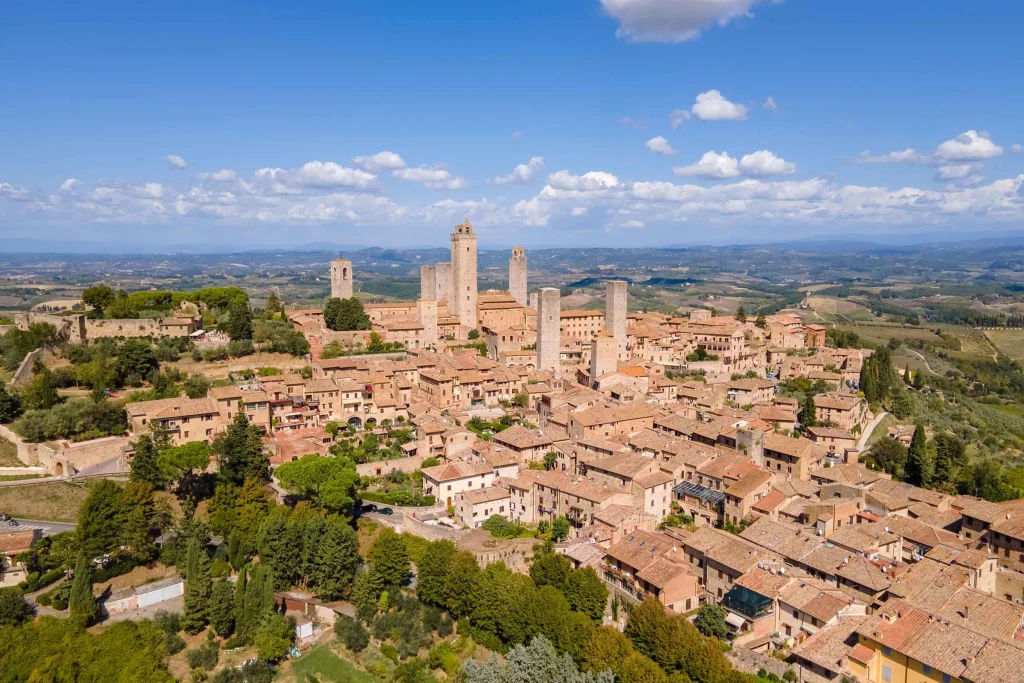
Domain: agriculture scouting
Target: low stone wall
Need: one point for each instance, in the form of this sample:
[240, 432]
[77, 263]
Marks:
[141, 327]
[19, 471]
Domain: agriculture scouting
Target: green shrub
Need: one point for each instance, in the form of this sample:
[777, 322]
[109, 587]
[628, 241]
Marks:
[220, 569]
[203, 657]
[389, 651]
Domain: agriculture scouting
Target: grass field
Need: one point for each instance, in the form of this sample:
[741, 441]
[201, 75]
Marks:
[9, 454]
[51, 501]
[1009, 342]
[881, 429]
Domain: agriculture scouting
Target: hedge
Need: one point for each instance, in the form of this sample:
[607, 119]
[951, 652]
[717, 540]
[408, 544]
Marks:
[35, 581]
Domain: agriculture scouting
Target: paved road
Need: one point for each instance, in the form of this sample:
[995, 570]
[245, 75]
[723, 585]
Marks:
[48, 528]
[870, 427]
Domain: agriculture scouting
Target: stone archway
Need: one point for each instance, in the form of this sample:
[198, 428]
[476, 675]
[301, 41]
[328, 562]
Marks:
[355, 422]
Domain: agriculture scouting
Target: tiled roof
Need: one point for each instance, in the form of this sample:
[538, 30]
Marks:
[829, 646]
[456, 470]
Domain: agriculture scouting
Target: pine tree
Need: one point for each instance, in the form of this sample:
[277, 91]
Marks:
[240, 452]
[144, 462]
[81, 603]
[198, 588]
[761, 321]
[741, 314]
[222, 608]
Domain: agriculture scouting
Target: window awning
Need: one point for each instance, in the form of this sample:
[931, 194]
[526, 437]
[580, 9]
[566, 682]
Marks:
[734, 620]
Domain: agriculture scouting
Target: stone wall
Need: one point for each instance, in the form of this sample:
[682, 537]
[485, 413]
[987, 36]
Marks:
[413, 526]
[142, 327]
[23, 375]
[379, 469]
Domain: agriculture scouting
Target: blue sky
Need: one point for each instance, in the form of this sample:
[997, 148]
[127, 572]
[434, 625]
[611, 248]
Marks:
[614, 122]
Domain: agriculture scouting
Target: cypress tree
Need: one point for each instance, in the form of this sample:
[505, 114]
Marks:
[81, 603]
[222, 608]
[144, 462]
[198, 588]
[920, 464]
[337, 559]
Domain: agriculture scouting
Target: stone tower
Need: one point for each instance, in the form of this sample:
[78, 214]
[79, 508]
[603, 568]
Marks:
[341, 278]
[517, 275]
[604, 356]
[426, 310]
[443, 273]
[549, 338]
[428, 282]
[462, 303]
[615, 313]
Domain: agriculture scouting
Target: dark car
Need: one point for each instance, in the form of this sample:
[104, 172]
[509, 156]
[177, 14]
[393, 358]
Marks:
[369, 507]
[385, 511]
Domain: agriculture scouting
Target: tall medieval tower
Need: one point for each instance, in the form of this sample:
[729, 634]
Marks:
[616, 308]
[517, 275]
[549, 337]
[341, 278]
[463, 296]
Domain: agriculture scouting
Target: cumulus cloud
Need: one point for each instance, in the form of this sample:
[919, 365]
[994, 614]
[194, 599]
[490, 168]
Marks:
[69, 185]
[957, 171]
[1017, 148]
[523, 174]
[431, 177]
[315, 174]
[578, 211]
[660, 145]
[711, 165]
[710, 106]
[175, 161]
[381, 161]
[968, 146]
[592, 181]
[770, 105]
[14, 193]
[763, 162]
[672, 21]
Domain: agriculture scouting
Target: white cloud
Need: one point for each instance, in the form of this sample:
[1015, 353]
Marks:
[224, 175]
[14, 193]
[523, 174]
[592, 181]
[672, 21]
[69, 185]
[770, 105]
[763, 163]
[381, 161]
[517, 134]
[713, 106]
[906, 156]
[957, 171]
[678, 116]
[578, 211]
[711, 165]
[315, 174]
[1017, 148]
[432, 177]
[533, 213]
[968, 146]
[660, 145]
[175, 161]
[636, 124]
[633, 224]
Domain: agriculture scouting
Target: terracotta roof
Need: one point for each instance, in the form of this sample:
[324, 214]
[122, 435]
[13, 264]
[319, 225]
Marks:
[598, 416]
[748, 483]
[14, 542]
[519, 437]
[487, 494]
[626, 465]
[456, 470]
[829, 646]
[772, 500]
[660, 572]
[997, 662]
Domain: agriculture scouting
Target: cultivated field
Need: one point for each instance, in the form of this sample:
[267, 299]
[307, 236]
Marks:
[1009, 342]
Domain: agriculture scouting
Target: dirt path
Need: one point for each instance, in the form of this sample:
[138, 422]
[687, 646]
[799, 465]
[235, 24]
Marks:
[925, 361]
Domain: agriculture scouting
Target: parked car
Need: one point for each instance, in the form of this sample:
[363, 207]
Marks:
[386, 511]
[370, 507]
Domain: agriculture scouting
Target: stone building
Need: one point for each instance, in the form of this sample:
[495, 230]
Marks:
[615, 313]
[548, 337]
[341, 278]
[517, 275]
[464, 285]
